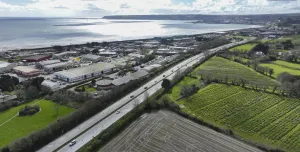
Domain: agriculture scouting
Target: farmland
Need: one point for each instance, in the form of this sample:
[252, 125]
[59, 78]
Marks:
[166, 131]
[245, 47]
[18, 127]
[282, 66]
[265, 118]
[219, 67]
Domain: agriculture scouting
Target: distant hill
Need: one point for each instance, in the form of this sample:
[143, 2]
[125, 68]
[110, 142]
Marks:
[262, 17]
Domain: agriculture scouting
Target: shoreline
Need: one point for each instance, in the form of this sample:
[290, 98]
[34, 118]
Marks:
[125, 40]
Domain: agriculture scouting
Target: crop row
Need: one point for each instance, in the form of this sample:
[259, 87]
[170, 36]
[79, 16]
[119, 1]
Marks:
[282, 126]
[227, 106]
[292, 140]
[208, 97]
[250, 111]
[264, 119]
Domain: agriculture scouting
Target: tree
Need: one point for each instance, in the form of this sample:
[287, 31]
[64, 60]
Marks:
[166, 84]
[31, 92]
[5, 149]
[56, 107]
[93, 83]
[58, 48]
[95, 51]
[288, 44]
[271, 72]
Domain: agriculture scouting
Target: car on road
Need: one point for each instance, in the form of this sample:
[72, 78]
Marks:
[146, 88]
[95, 94]
[53, 80]
[72, 143]
[132, 96]
[118, 112]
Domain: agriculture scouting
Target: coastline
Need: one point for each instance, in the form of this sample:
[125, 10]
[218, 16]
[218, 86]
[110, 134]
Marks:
[38, 48]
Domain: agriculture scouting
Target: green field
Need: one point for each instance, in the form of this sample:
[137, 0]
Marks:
[88, 88]
[220, 67]
[21, 126]
[264, 118]
[278, 68]
[287, 64]
[245, 47]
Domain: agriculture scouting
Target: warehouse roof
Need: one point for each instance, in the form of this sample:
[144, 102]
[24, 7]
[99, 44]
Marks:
[122, 80]
[92, 57]
[81, 71]
[139, 74]
[57, 65]
[49, 62]
[104, 82]
[35, 57]
[25, 69]
[4, 64]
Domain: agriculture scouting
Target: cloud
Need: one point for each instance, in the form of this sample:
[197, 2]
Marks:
[121, 7]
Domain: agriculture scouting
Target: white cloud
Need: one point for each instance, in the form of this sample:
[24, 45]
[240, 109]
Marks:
[108, 7]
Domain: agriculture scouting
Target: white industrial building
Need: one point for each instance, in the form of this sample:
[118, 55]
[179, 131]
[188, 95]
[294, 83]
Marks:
[93, 58]
[6, 67]
[85, 72]
[51, 85]
[42, 64]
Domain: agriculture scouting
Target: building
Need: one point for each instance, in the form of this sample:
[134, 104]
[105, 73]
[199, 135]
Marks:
[93, 58]
[105, 84]
[65, 54]
[36, 58]
[132, 76]
[7, 98]
[41, 65]
[136, 56]
[152, 67]
[51, 85]
[26, 71]
[56, 67]
[139, 74]
[6, 67]
[108, 54]
[86, 72]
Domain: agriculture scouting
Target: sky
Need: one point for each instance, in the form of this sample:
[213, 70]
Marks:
[99, 8]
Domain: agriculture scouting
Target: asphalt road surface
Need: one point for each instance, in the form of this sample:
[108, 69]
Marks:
[86, 131]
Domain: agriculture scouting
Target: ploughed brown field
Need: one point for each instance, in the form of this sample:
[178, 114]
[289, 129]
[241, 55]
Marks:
[164, 131]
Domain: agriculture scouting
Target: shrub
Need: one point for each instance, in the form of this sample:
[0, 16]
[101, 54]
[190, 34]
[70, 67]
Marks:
[29, 110]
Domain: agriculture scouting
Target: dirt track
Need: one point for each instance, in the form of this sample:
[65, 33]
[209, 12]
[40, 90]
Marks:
[165, 131]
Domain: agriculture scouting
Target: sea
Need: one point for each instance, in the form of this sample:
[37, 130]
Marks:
[20, 33]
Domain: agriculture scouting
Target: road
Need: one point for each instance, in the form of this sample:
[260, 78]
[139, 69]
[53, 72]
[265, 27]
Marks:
[84, 132]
